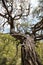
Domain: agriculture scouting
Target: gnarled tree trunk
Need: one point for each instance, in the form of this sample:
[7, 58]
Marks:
[28, 53]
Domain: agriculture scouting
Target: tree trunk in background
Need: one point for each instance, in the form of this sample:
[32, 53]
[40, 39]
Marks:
[12, 26]
[28, 54]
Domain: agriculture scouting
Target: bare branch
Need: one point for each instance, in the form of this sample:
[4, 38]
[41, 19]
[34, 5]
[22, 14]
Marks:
[4, 24]
[39, 24]
[4, 16]
[27, 12]
[11, 6]
[3, 1]
[21, 15]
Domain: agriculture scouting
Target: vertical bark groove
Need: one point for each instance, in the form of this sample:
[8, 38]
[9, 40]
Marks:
[29, 56]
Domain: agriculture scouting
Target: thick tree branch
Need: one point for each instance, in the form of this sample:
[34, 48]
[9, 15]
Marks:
[38, 26]
[39, 22]
[19, 35]
[37, 39]
[39, 36]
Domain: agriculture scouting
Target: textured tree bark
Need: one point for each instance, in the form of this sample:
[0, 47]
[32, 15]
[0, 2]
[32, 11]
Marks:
[28, 54]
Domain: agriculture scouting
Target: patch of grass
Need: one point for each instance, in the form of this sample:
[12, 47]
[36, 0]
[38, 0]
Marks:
[8, 50]
[39, 50]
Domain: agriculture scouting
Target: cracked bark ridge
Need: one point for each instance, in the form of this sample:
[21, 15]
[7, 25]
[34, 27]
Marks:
[28, 53]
